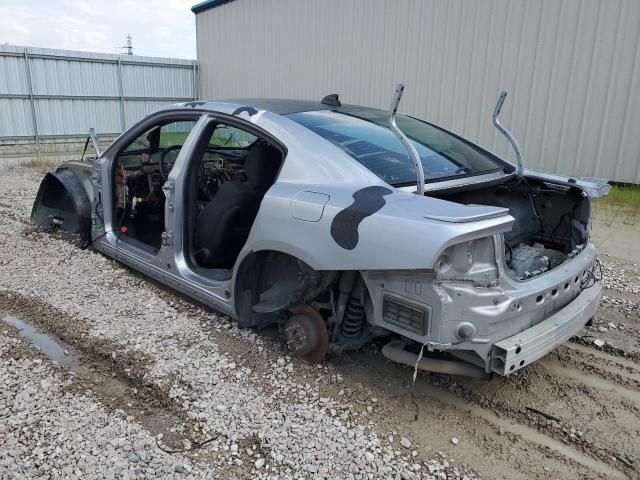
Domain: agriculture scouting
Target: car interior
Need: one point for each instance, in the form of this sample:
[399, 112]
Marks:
[229, 175]
[141, 170]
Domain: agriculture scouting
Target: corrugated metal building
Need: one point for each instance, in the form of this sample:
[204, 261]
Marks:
[53, 96]
[571, 67]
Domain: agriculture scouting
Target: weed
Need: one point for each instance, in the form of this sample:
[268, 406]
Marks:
[38, 164]
[622, 204]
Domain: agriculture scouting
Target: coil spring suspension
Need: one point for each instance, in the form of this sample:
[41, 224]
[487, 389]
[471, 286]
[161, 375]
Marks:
[353, 319]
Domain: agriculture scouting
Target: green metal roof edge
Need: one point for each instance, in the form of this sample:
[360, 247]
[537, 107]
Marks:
[208, 4]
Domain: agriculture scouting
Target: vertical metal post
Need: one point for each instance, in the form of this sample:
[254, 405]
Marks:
[195, 82]
[121, 92]
[32, 102]
[512, 140]
[413, 152]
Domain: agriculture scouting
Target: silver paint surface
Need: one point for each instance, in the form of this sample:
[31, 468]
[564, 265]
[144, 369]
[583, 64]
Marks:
[396, 253]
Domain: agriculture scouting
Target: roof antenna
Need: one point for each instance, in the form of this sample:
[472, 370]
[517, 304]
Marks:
[413, 153]
[331, 100]
[507, 133]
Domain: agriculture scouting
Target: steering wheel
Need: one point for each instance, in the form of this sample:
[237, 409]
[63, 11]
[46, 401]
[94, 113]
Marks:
[161, 163]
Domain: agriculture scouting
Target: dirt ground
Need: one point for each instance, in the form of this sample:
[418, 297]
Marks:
[574, 414]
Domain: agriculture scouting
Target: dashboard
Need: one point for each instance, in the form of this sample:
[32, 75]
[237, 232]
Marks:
[140, 176]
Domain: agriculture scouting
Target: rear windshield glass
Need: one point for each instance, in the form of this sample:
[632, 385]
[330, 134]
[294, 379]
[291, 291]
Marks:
[364, 134]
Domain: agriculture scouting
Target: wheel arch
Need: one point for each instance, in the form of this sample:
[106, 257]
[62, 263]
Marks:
[268, 282]
[62, 202]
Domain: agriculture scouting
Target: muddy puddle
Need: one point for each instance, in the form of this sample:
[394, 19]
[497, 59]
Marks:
[56, 350]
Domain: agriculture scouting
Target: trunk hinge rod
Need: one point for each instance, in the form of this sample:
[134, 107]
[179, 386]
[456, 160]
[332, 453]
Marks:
[413, 153]
[507, 133]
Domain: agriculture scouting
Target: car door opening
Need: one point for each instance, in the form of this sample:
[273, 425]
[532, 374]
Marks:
[141, 170]
[230, 173]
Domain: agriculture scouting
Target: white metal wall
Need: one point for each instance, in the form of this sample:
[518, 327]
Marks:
[571, 67]
[50, 94]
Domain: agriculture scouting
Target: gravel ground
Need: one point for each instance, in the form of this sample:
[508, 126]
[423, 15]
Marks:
[46, 431]
[154, 367]
[266, 422]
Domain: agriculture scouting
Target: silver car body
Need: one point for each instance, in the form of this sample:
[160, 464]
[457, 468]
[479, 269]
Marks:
[513, 322]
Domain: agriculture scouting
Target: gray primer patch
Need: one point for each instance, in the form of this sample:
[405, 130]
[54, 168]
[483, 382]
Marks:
[367, 201]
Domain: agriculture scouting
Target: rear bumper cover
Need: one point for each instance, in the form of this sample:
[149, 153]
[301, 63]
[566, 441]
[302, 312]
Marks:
[519, 350]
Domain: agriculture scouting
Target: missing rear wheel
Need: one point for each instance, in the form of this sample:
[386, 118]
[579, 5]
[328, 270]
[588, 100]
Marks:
[306, 334]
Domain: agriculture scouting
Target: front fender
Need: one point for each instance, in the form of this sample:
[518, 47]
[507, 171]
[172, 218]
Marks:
[62, 203]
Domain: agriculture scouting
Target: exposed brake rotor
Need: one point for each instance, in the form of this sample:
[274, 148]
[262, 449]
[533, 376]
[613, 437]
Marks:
[306, 334]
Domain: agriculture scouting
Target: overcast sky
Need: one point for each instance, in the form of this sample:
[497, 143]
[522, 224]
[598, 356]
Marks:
[160, 28]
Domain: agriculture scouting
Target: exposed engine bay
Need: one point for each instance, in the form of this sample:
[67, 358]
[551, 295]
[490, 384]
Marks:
[138, 187]
[551, 222]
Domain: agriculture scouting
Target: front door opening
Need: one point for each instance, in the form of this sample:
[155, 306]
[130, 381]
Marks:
[141, 169]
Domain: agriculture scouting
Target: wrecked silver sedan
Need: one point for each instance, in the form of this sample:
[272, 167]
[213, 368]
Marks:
[341, 224]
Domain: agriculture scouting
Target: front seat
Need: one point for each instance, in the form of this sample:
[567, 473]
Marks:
[223, 225]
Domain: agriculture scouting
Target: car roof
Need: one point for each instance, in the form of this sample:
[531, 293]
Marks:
[281, 106]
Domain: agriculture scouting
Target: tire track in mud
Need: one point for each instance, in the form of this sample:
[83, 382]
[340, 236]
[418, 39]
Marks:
[614, 351]
[460, 395]
[595, 379]
[602, 424]
[112, 390]
[116, 379]
[120, 380]
[521, 425]
[622, 362]
[523, 431]
[589, 361]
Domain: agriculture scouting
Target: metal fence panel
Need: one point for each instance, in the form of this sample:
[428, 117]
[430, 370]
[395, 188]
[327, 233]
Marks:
[15, 117]
[47, 94]
[64, 77]
[13, 77]
[60, 117]
[150, 81]
[572, 68]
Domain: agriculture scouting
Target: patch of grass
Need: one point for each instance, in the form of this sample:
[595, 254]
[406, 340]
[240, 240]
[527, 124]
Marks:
[221, 137]
[622, 203]
[173, 138]
[624, 195]
[40, 165]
